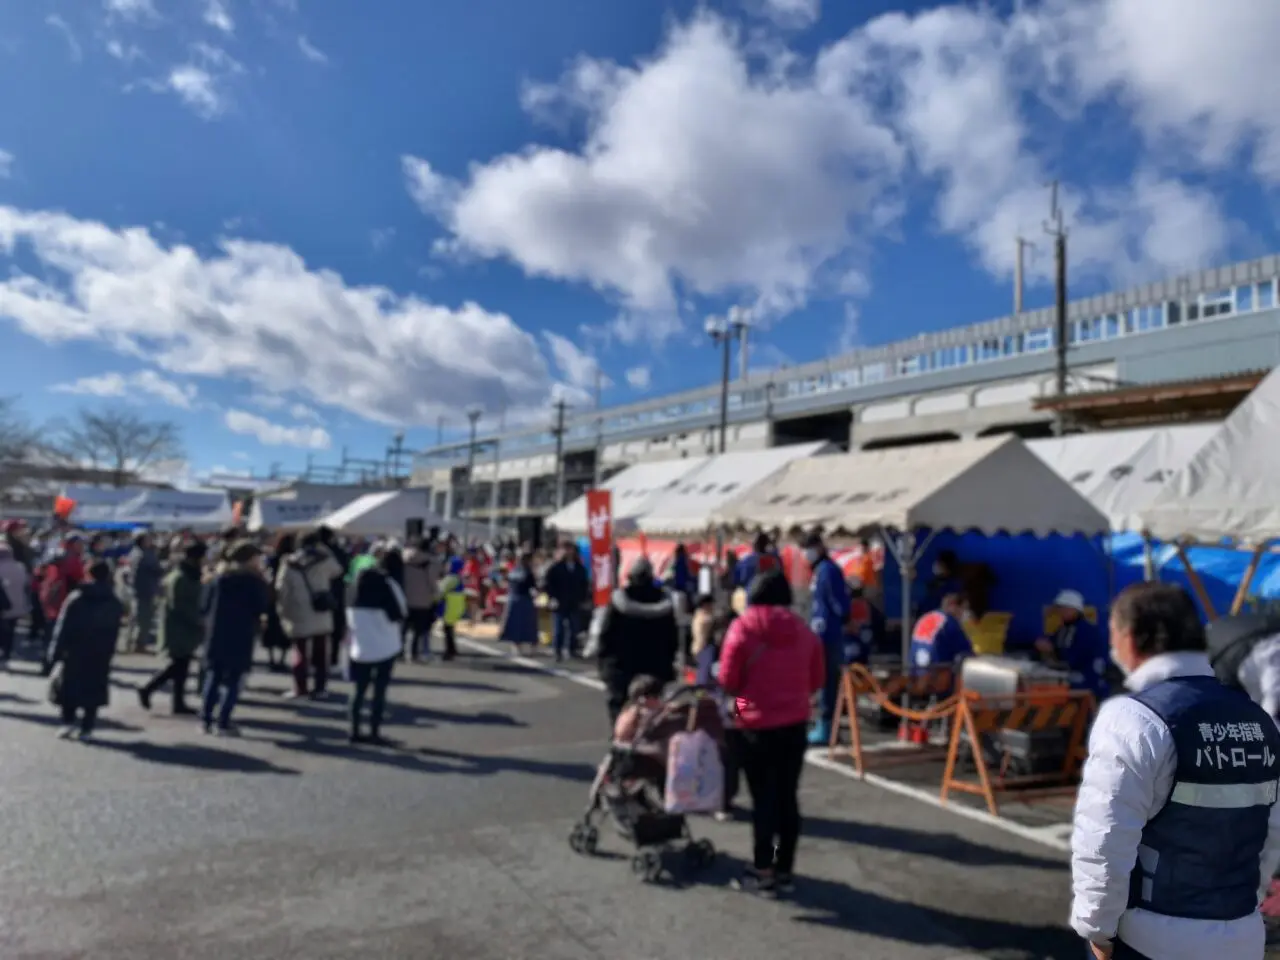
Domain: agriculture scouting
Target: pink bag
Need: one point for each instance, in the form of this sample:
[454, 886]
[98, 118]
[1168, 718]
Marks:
[695, 775]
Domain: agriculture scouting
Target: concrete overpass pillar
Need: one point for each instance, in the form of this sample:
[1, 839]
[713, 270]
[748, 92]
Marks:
[524, 493]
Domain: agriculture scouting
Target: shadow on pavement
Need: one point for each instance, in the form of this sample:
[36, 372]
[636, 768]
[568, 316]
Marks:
[52, 719]
[192, 755]
[468, 685]
[831, 904]
[332, 741]
[949, 847]
[15, 698]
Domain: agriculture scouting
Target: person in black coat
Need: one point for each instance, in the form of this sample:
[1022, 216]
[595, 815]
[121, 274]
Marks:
[274, 640]
[638, 636]
[568, 588]
[338, 590]
[84, 641]
[235, 607]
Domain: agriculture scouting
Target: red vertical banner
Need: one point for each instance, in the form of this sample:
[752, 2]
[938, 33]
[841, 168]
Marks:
[600, 537]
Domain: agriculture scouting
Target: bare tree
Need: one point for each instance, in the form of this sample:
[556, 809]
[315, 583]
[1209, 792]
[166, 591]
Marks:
[121, 443]
[18, 443]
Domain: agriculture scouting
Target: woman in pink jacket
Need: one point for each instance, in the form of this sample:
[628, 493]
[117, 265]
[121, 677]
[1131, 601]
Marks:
[772, 664]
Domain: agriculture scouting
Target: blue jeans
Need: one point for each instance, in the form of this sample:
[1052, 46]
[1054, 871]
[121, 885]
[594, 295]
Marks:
[566, 631]
[220, 683]
[831, 688]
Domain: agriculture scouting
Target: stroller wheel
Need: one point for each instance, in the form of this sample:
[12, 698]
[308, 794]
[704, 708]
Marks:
[647, 865]
[590, 840]
[578, 839]
[700, 853]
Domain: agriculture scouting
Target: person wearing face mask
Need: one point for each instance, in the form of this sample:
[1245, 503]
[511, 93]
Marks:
[830, 611]
[1176, 832]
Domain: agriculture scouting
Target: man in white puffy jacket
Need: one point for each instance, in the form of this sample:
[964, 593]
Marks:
[1176, 829]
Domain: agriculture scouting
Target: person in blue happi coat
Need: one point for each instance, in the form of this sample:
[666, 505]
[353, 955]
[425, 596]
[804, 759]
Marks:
[761, 559]
[1078, 645]
[938, 638]
[829, 613]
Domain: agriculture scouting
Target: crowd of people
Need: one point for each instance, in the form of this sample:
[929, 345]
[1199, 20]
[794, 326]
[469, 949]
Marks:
[207, 602]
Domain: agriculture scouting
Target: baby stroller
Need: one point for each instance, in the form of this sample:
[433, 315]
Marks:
[629, 788]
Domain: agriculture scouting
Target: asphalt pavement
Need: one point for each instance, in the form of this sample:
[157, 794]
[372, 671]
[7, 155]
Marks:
[157, 841]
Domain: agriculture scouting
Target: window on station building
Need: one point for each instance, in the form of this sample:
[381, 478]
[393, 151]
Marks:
[1173, 313]
[1244, 299]
[1266, 295]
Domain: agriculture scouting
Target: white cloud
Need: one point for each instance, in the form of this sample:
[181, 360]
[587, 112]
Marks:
[790, 13]
[131, 9]
[255, 312]
[274, 434]
[740, 182]
[639, 378]
[123, 52]
[64, 28]
[237, 455]
[850, 329]
[311, 51]
[202, 83]
[769, 176]
[218, 16]
[300, 411]
[145, 382]
[6, 164]
[578, 369]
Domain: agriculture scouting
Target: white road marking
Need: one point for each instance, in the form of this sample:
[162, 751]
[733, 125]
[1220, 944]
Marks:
[1056, 836]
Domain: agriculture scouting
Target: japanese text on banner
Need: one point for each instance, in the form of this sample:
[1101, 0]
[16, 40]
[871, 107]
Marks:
[600, 536]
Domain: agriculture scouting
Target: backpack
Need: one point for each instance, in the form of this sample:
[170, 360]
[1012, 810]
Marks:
[321, 600]
[1231, 640]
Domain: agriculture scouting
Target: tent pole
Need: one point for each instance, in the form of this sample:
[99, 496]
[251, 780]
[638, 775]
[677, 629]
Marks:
[1148, 559]
[1197, 585]
[906, 568]
[1242, 593]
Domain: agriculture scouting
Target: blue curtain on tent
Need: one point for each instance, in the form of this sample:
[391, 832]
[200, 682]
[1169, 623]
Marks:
[1029, 572]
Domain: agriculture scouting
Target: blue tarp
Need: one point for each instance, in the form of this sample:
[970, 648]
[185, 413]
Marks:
[1220, 568]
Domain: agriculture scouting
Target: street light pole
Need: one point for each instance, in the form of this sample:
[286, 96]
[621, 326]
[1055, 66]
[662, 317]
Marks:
[474, 416]
[723, 332]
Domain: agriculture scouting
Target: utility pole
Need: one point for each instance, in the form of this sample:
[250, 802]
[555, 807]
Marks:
[597, 466]
[440, 431]
[395, 453]
[742, 350]
[558, 432]
[474, 416]
[1018, 282]
[497, 462]
[1058, 231]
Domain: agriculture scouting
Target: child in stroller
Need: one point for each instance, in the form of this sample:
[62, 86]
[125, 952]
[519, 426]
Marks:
[629, 785]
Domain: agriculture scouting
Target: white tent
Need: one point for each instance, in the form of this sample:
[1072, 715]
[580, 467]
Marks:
[634, 490]
[161, 509]
[387, 514]
[86, 495]
[1121, 471]
[991, 485]
[278, 513]
[1231, 488]
[686, 508]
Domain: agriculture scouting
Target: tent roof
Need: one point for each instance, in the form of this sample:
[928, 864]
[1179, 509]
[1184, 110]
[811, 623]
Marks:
[1120, 471]
[387, 513]
[686, 508]
[634, 490]
[992, 485]
[1231, 487]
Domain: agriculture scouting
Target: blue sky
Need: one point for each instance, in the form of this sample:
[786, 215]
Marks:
[298, 225]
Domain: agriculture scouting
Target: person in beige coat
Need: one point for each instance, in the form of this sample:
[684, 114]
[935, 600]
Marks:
[306, 608]
[423, 571]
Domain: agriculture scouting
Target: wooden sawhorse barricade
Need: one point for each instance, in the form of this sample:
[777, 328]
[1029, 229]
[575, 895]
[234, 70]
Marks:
[889, 694]
[978, 719]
